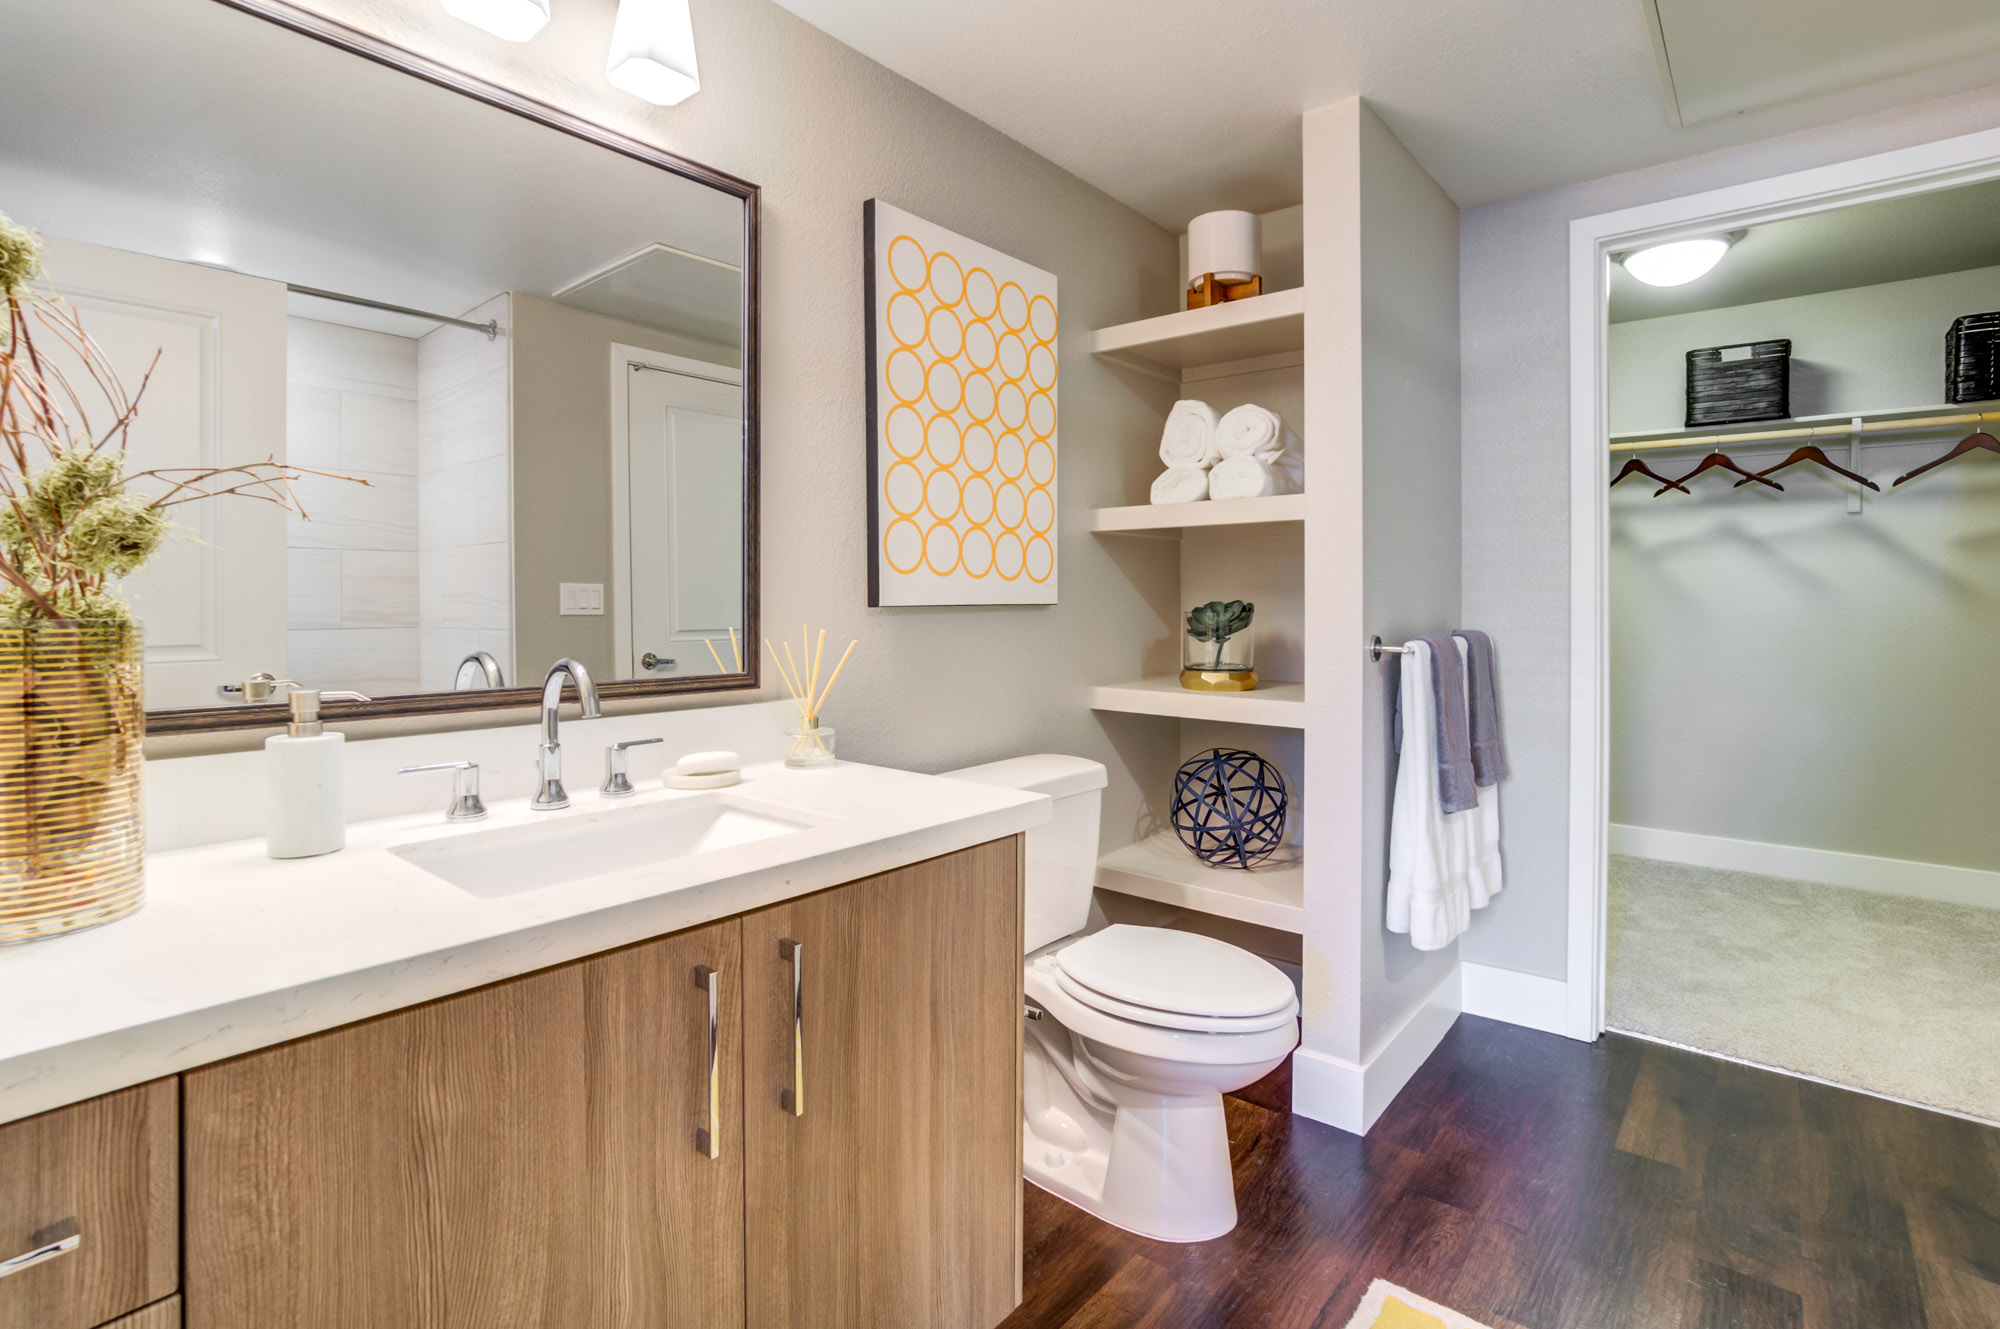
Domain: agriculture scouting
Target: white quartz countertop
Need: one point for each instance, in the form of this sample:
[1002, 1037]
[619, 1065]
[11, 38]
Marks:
[236, 951]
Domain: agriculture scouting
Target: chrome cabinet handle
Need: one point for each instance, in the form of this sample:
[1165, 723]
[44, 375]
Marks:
[56, 1239]
[708, 1139]
[793, 1100]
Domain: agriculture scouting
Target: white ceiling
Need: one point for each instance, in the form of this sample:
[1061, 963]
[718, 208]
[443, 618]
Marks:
[1921, 235]
[1179, 106]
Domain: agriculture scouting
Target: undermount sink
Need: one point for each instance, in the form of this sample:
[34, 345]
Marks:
[565, 848]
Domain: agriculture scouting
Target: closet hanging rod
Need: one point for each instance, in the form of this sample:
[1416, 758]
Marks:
[491, 327]
[1845, 430]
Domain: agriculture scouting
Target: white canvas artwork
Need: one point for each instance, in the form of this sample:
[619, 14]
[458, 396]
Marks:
[961, 418]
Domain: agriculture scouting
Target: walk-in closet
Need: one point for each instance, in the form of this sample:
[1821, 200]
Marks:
[1805, 650]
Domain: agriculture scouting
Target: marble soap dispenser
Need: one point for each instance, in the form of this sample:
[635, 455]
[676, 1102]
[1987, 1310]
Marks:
[303, 811]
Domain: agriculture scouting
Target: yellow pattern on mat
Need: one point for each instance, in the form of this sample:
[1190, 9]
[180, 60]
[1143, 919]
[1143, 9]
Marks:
[1387, 1306]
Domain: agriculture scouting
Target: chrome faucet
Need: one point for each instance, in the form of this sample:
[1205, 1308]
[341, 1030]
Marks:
[549, 792]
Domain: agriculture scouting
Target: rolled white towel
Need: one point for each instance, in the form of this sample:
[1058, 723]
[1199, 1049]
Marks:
[1246, 477]
[1189, 437]
[1181, 484]
[1252, 431]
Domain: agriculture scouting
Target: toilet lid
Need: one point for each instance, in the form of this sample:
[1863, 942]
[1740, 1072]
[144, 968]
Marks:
[1194, 1024]
[1181, 972]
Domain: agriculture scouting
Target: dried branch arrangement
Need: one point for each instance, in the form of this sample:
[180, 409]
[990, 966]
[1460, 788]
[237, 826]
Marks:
[70, 524]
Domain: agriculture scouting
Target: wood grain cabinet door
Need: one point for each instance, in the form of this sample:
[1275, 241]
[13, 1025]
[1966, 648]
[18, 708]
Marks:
[520, 1156]
[106, 1172]
[882, 1106]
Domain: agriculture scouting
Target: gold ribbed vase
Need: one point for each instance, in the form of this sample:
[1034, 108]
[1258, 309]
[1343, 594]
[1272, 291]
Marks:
[72, 729]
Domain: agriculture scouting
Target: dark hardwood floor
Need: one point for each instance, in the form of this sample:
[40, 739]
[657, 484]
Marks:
[1535, 1182]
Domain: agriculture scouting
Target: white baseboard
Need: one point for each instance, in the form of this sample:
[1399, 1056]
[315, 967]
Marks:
[1529, 1000]
[1888, 876]
[1352, 1097]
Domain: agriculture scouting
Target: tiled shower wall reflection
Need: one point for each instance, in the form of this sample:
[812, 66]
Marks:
[351, 408]
[390, 585]
[465, 568]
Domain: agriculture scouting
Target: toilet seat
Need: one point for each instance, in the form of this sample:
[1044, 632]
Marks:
[1201, 1024]
[1168, 973]
[1183, 1046]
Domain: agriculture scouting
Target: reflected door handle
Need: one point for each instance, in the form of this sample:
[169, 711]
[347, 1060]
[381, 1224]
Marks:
[652, 661]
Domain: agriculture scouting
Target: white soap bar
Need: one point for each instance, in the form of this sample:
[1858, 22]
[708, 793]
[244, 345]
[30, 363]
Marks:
[708, 763]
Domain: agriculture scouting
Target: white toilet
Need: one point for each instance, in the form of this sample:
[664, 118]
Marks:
[1134, 1033]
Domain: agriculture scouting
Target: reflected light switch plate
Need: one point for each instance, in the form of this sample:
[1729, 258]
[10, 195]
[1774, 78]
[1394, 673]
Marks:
[582, 597]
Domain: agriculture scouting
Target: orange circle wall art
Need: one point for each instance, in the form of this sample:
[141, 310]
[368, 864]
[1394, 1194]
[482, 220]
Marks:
[962, 453]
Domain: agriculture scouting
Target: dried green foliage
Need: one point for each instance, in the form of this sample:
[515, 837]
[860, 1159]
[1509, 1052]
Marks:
[71, 524]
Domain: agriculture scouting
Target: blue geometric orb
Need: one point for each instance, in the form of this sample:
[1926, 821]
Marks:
[1229, 807]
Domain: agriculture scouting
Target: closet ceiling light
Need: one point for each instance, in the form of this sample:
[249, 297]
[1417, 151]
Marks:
[652, 51]
[510, 20]
[1678, 262]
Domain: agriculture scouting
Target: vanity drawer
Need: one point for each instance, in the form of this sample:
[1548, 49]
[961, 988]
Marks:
[110, 1167]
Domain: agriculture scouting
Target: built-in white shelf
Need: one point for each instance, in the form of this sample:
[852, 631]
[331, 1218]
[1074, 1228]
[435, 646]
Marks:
[1236, 330]
[1208, 512]
[1280, 705]
[1158, 868]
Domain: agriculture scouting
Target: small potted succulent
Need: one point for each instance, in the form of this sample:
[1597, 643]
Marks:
[1218, 653]
[75, 520]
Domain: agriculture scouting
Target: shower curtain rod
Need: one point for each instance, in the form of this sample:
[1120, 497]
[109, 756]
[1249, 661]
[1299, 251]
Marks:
[491, 327]
[1845, 430]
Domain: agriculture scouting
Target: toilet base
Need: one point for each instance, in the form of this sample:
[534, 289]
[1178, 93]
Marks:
[1159, 1167]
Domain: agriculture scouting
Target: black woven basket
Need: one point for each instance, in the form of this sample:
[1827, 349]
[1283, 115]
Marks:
[1972, 358]
[1729, 385]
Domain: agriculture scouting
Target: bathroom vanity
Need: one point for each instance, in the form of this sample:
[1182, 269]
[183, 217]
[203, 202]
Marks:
[796, 1103]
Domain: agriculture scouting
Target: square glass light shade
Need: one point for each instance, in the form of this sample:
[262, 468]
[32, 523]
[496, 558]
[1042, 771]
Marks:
[509, 20]
[652, 51]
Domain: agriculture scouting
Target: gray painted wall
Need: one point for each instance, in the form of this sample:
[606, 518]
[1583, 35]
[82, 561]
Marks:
[1382, 542]
[1783, 671]
[1514, 283]
[821, 128]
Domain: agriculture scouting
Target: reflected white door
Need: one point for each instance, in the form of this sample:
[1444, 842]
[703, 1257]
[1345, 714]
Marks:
[213, 599]
[683, 531]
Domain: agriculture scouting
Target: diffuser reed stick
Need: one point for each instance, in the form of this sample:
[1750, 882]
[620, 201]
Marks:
[800, 674]
[735, 651]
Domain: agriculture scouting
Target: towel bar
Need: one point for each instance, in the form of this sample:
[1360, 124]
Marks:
[1376, 650]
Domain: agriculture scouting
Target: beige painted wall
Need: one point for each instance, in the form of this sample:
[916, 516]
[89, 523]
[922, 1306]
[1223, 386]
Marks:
[821, 129]
[1783, 671]
[1515, 408]
[562, 471]
[1382, 551]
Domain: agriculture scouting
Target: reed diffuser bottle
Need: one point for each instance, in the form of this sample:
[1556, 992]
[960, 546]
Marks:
[810, 742]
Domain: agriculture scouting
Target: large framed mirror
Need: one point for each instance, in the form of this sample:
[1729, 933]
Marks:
[534, 339]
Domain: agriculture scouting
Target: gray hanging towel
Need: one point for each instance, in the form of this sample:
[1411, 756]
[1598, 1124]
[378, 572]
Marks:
[1482, 700]
[1456, 790]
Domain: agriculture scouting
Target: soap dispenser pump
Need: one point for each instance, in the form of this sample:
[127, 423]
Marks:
[304, 816]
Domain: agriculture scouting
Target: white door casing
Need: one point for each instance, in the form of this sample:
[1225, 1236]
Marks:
[1592, 241]
[677, 511]
[213, 599]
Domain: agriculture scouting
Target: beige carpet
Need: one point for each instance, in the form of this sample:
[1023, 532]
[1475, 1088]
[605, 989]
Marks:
[1893, 995]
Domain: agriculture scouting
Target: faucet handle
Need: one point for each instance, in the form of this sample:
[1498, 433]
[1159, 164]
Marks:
[616, 785]
[465, 804]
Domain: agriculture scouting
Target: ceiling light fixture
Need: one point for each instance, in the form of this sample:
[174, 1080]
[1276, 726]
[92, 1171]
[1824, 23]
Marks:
[1677, 262]
[509, 20]
[652, 51]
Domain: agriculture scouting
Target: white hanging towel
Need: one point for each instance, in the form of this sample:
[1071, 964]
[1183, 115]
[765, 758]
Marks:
[1189, 436]
[1180, 484]
[1441, 866]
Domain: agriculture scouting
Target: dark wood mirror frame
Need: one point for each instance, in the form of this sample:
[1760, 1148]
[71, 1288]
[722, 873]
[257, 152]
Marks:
[207, 719]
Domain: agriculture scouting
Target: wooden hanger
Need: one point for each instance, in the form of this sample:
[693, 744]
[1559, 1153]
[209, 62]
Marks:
[1974, 442]
[1636, 466]
[1719, 460]
[1812, 454]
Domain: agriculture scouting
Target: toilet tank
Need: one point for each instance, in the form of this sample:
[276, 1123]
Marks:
[1062, 856]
